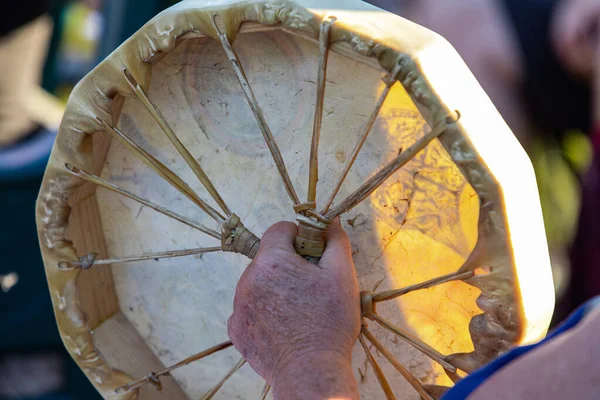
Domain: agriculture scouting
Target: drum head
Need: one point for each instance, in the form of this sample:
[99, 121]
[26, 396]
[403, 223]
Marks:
[465, 206]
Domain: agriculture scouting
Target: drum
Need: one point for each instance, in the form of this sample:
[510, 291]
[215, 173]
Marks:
[218, 119]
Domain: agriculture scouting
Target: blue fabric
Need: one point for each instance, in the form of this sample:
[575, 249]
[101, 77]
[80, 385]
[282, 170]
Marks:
[26, 159]
[468, 385]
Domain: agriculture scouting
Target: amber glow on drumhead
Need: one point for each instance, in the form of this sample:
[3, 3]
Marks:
[501, 152]
[513, 170]
[435, 238]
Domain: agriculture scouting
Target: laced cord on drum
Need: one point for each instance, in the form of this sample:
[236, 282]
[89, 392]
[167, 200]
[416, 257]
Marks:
[390, 80]
[153, 377]
[319, 105]
[406, 374]
[235, 238]
[211, 393]
[265, 391]
[418, 344]
[456, 276]
[96, 180]
[183, 151]
[369, 312]
[257, 111]
[89, 260]
[368, 307]
[383, 382]
[398, 162]
[162, 170]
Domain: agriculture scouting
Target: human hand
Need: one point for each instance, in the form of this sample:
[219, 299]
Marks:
[296, 322]
[575, 35]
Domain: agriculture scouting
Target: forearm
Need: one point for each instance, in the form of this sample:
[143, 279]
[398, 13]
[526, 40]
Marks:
[567, 367]
[323, 375]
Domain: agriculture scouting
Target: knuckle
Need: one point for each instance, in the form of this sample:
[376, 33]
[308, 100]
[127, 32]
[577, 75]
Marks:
[281, 226]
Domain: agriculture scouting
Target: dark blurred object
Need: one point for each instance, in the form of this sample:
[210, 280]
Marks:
[585, 253]
[27, 316]
[556, 100]
[20, 12]
[16, 371]
[124, 18]
[28, 330]
[553, 96]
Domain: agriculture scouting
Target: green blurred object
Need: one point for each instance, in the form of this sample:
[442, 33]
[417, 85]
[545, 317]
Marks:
[559, 191]
[557, 165]
[578, 150]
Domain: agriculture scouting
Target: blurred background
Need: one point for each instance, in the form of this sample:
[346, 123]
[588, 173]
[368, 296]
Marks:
[536, 59]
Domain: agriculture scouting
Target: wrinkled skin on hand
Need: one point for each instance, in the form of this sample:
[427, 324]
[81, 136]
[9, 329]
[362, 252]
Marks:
[286, 309]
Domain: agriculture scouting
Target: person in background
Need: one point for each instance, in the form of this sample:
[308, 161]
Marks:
[575, 38]
[32, 55]
[25, 32]
[538, 60]
[29, 116]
